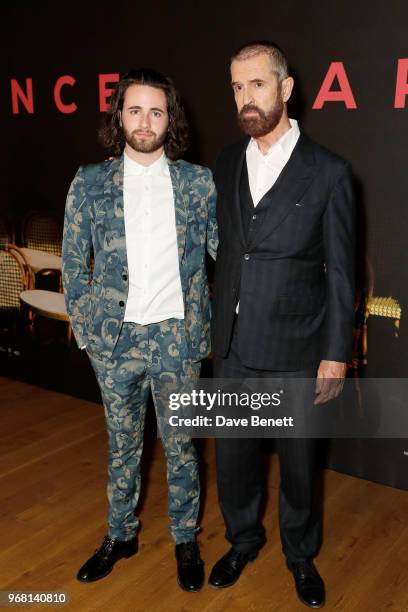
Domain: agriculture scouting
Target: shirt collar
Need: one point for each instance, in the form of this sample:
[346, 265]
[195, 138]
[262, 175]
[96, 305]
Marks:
[157, 168]
[285, 143]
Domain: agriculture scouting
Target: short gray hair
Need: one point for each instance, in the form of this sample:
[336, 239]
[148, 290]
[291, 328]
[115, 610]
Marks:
[279, 62]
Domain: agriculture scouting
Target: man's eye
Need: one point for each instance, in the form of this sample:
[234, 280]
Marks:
[134, 111]
[237, 88]
[157, 114]
[258, 84]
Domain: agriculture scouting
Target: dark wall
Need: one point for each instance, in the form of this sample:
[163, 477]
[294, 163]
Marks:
[192, 42]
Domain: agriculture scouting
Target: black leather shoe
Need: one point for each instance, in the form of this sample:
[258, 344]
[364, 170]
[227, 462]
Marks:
[190, 567]
[228, 569]
[105, 557]
[309, 584]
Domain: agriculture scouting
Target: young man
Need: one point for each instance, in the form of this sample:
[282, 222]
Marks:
[284, 301]
[143, 314]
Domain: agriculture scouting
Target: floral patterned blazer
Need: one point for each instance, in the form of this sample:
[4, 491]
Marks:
[94, 220]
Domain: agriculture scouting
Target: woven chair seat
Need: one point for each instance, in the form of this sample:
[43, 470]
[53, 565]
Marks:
[12, 280]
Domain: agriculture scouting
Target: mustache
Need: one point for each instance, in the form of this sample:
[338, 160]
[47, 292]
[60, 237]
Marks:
[144, 132]
[250, 108]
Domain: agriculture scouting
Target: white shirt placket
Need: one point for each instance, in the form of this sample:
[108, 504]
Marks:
[147, 213]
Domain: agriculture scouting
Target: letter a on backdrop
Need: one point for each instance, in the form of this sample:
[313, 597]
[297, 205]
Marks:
[344, 94]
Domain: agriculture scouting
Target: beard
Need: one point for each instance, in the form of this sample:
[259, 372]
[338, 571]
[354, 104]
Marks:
[143, 145]
[264, 122]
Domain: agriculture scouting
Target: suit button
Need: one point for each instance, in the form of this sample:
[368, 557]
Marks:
[121, 303]
[124, 276]
[246, 256]
[254, 217]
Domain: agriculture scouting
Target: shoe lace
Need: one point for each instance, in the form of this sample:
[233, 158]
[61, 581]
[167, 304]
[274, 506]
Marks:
[189, 551]
[305, 570]
[105, 550]
[235, 556]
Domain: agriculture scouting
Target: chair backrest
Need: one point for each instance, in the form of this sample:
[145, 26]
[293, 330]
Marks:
[15, 277]
[6, 230]
[42, 232]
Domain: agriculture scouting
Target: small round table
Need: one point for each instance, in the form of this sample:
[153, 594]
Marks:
[46, 303]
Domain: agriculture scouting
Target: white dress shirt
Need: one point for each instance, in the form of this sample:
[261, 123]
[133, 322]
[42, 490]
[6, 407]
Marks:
[155, 292]
[263, 170]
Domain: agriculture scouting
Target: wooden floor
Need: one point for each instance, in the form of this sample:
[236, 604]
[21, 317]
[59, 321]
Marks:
[52, 514]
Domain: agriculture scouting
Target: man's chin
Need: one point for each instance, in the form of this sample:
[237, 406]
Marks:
[145, 146]
[253, 129]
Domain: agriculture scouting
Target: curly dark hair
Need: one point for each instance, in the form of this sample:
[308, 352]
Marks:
[111, 134]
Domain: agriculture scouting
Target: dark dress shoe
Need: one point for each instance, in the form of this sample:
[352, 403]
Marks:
[102, 562]
[190, 567]
[309, 584]
[228, 569]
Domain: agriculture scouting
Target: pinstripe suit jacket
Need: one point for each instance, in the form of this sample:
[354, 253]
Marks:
[294, 273]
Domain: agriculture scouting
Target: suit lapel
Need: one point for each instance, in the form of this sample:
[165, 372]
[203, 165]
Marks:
[289, 188]
[113, 188]
[115, 237]
[237, 163]
[181, 198]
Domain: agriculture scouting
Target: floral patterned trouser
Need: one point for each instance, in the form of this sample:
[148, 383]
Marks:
[147, 357]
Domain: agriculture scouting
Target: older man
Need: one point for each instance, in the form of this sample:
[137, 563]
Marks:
[284, 301]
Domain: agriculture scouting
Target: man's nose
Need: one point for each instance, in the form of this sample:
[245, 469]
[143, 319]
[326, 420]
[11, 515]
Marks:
[145, 121]
[247, 97]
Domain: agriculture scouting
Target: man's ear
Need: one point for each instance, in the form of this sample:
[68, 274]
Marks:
[287, 87]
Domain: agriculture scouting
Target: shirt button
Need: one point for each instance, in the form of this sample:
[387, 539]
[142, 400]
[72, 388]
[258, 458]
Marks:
[246, 256]
[121, 303]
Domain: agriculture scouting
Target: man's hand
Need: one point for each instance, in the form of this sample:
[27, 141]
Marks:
[330, 380]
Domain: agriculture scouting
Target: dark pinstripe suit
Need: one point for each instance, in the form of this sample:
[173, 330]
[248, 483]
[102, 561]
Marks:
[292, 313]
[290, 264]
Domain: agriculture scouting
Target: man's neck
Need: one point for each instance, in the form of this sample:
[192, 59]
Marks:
[265, 142]
[145, 159]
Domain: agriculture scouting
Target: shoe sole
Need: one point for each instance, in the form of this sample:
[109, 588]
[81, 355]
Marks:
[308, 604]
[189, 590]
[223, 586]
[85, 581]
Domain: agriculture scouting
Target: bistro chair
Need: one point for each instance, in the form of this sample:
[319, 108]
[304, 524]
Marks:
[42, 232]
[7, 235]
[15, 277]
